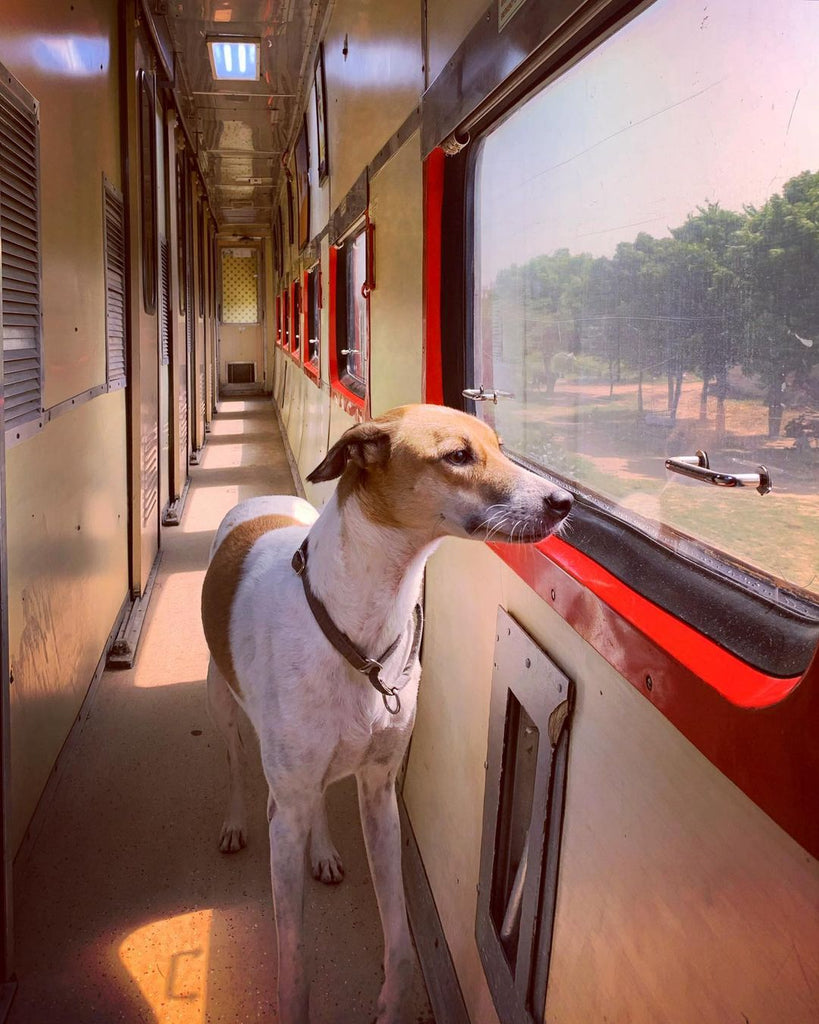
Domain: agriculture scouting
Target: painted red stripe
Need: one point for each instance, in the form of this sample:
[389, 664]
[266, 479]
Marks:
[433, 205]
[738, 682]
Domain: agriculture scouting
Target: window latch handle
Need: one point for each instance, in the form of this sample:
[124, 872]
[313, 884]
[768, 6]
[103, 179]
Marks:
[482, 394]
[698, 468]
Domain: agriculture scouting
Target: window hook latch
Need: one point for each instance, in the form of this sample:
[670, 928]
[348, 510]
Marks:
[482, 394]
[698, 468]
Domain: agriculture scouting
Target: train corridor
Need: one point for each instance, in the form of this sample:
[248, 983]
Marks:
[125, 908]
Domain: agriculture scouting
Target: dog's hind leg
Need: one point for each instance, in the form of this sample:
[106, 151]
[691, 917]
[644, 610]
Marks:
[224, 712]
[324, 857]
[382, 835]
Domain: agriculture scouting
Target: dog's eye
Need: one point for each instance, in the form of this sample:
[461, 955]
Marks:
[460, 457]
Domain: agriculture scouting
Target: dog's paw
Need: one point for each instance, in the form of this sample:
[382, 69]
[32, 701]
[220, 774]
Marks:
[327, 867]
[232, 838]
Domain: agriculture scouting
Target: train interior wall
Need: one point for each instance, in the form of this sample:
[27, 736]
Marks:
[655, 846]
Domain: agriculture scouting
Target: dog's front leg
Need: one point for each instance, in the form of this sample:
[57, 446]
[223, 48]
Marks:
[382, 835]
[289, 827]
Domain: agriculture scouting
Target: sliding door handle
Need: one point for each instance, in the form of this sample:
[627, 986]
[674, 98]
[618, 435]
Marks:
[698, 468]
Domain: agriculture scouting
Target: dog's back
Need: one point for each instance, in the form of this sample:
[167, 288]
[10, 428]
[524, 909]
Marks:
[245, 524]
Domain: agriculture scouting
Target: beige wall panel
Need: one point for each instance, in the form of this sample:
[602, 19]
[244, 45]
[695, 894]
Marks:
[445, 776]
[71, 69]
[678, 898]
[339, 421]
[396, 303]
[287, 398]
[316, 425]
[68, 577]
[319, 193]
[297, 411]
[447, 26]
[373, 89]
[241, 343]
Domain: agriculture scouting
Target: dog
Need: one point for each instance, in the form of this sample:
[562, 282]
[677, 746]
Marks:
[313, 622]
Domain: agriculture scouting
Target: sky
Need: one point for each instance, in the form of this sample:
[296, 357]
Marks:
[691, 102]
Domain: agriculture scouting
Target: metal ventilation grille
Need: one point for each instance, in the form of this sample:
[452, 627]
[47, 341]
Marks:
[115, 285]
[20, 239]
[164, 302]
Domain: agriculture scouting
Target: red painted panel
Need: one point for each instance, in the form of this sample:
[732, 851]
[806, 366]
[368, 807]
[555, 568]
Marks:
[760, 732]
[433, 204]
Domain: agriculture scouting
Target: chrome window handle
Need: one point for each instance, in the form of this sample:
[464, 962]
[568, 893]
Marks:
[698, 468]
[482, 394]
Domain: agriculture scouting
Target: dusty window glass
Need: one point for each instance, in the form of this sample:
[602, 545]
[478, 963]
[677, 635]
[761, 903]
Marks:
[646, 268]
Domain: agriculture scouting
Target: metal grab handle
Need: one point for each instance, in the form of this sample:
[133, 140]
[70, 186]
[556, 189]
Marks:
[482, 394]
[698, 468]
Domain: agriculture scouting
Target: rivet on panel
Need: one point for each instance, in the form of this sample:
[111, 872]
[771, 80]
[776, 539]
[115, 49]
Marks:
[528, 662]
[553, 594]
[649, 683]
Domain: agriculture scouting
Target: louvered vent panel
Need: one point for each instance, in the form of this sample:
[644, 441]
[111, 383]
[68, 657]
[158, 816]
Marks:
[115, 285]
[164, 303]
[20, 239]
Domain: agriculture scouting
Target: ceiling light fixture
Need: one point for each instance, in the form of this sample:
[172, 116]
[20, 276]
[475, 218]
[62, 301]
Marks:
[233, 59]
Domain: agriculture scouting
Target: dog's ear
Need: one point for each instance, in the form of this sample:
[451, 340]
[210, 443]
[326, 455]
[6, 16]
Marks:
[366, 444]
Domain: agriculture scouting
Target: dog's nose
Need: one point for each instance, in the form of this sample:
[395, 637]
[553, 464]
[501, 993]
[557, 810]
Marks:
[558, 503]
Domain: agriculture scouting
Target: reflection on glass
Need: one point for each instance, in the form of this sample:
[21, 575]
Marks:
[647, 259]
[357, 321]
[313, 316]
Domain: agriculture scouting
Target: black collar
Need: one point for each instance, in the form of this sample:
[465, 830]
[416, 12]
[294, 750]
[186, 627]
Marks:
[347, 649]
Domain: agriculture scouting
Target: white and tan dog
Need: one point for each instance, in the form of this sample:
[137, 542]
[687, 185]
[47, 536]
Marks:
[408, 479]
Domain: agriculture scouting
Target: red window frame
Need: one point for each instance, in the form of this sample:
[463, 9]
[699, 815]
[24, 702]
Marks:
[312, 369]
[295, 322]
[278, 320]
[286, 319]
[353, 403]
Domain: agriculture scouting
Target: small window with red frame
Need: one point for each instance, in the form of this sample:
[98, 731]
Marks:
[295, 314]
[286, 319]
[278, 319]
[312, 319]
[353, 286]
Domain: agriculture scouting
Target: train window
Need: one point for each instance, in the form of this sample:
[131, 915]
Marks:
[530, 718]
[312, 318]
[295, 313]
[646, 238]
[20, 242]
[286, 319]
[240, 286]
[352, 312]
[147, 150]
[115, 285]
[278, 319]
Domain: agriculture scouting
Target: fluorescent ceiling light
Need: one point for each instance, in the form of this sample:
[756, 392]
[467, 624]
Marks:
[235, 60]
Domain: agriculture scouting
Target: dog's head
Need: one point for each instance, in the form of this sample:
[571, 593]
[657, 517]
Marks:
[441, 472]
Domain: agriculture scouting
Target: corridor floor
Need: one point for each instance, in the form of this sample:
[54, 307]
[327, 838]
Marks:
[125, 910]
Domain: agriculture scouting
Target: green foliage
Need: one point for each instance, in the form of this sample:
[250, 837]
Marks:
[725, 289]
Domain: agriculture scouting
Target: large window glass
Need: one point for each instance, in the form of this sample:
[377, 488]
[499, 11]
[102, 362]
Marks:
[646, 283]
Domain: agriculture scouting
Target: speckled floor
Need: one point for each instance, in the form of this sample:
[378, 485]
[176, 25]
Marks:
[125, 909]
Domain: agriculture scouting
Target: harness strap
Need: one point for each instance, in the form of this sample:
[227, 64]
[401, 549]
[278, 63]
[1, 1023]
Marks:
[369, 667]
